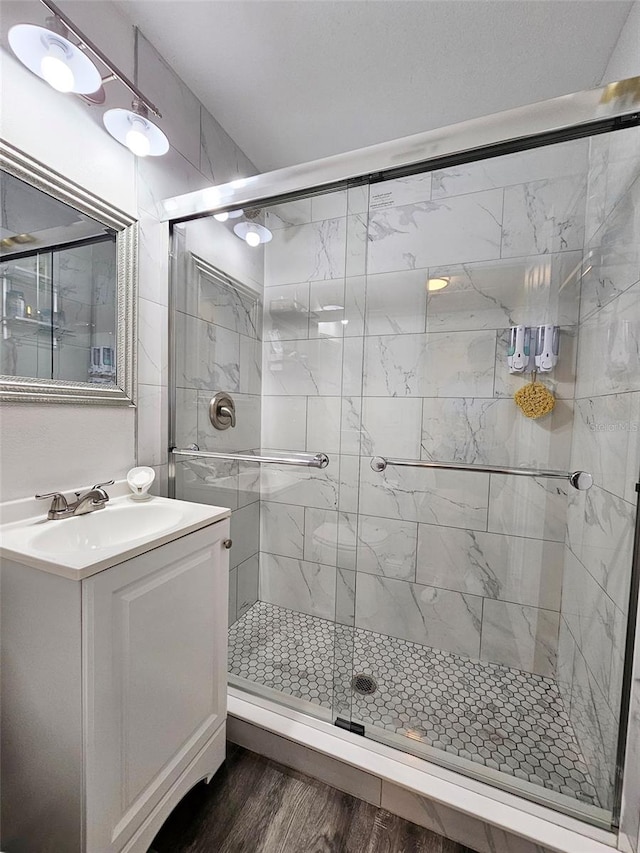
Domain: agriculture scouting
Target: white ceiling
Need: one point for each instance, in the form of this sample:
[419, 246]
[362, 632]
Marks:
[294, 80]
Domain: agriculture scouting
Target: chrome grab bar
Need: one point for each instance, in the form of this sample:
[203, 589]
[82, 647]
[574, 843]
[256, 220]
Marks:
[581, 480]
[308, 460]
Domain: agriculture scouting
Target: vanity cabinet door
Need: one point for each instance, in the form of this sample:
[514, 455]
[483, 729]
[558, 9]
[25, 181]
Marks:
[154, 672]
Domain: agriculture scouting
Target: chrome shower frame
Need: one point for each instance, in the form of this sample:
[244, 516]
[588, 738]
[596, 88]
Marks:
[609, 108]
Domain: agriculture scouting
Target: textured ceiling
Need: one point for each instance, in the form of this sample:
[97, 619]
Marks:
[293, 80]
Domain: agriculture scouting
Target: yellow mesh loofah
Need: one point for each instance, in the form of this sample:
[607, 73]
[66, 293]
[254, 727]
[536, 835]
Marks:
[535, 399]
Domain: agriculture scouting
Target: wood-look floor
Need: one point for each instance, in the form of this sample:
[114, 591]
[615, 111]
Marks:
[254, 805]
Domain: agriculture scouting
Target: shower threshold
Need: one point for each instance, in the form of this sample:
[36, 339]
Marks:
[504, 719]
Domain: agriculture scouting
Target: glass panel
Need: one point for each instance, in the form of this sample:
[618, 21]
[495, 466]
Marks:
[490, 609]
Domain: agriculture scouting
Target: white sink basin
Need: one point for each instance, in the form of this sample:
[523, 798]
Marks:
[104, 527]
[79, 546]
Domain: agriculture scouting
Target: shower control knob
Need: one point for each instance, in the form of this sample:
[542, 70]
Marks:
[228, 543]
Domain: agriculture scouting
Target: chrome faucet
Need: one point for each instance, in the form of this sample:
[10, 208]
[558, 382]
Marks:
[93, 499]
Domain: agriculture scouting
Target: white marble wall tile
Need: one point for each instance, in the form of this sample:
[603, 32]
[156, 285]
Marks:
[596, 729]
[320, 536]
[561, 381]
[220, 158]
[250, 365]
[351, 420]
[284, 422]
[612, 257]
[606, 437]
[600, 533]
[414, 236]
[160, 485]
[494, 294]
[354, 305]
[436, 365]
[357, 248]
[387, 547]
[152, 424]
[422, 614]
[245, 436]
[349, 494]
[152, 342]
[396, 303]
[323, 424]
[591, 616]
[400, 191]
[565, 662]
[306, 252]
[495, 432]
[391, 427]
[286, 312]
[451, 498]
[609, 347]
[520, 636]
[248, 579]
[345, 602]
[510, 568]
[301, 586]
[153, 258]
[207, 356]
[249, 483]
[289, 213]
[523, 506]
[164, 177]
[209, 299]
[245, 533]
[282, 529]
[303, 367]
[358, 199]
[180, 107]
[353, 358]
[347, 539]
[553, 161]
[613, 167]
[544, 216]
[216, 243]
[329, 205]
[301, 486]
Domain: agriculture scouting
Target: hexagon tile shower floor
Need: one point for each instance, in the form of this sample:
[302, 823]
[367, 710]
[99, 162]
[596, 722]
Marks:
[504, 718]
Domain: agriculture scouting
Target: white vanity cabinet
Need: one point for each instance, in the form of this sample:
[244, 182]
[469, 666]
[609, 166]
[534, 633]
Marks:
[114, 695]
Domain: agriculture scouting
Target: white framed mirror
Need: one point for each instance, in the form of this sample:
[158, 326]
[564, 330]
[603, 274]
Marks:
[68, 290]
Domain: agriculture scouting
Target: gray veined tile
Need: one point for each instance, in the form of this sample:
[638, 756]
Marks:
[451, 498]
[347, 539]
[396, 303]
[286, 312]
[428, 233]
[301, 486]
[433, 617]
[391, 427]
[329, 205]
[299, 585]
[245, 533]
[511, 568]
[323, 424]
[306, 252]
[320, 536]
[544, 216]
[520, 636]
[282, 529]
[284, 422]
[208, 356]
[387, 547]
[247, 584]
[208, 481]
[523, 506]
[310, 368]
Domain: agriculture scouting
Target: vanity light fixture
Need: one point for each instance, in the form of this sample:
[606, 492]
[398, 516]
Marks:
[54, 58]
[49, 52]
[252, 233]
[437, 284]
[134, 130]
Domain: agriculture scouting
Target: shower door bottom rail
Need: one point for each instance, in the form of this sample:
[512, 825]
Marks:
[307, 460]
[580, 480]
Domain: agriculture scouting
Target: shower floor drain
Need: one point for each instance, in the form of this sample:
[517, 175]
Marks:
[365, 685]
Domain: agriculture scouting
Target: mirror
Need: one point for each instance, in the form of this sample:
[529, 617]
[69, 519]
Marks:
[67, 290]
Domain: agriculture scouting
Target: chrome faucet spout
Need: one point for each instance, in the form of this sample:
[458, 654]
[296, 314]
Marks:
[92, 500]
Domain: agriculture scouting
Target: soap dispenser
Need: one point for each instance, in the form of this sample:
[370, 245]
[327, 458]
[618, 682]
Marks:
[139, 481]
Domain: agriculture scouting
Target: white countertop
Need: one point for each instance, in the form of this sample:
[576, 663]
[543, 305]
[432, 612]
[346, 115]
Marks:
[22, 529]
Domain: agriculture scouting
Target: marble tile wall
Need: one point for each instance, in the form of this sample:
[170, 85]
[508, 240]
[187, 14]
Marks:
[361, 359]
[606, 441]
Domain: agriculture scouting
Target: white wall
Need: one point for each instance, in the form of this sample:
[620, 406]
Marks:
[61, 447]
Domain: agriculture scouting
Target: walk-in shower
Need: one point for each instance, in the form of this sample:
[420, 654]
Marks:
[473, 613]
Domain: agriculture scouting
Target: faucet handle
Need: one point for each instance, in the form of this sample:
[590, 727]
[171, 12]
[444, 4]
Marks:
[100, 485]
[59, 502]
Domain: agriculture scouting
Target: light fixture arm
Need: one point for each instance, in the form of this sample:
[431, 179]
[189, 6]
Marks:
[89, 45]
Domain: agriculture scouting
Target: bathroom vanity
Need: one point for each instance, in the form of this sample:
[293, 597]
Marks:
[114, 631]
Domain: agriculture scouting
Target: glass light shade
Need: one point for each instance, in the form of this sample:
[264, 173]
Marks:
[46, 54]
[437, 284]
[252, 233]
[136, 132]
[228, 214]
